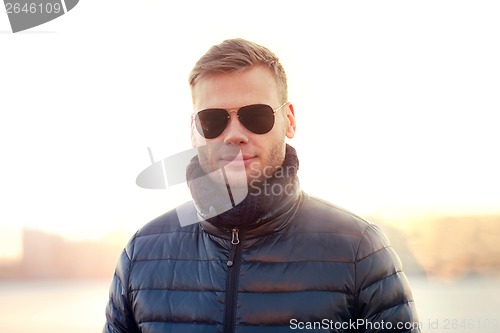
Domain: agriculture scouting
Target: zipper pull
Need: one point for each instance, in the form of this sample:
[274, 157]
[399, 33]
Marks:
[235, 240]
[234, 237]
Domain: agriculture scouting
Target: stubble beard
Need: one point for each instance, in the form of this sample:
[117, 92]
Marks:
[260, 172]
[256, 173]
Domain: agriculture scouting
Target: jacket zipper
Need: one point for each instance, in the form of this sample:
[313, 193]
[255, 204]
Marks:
[233, 270]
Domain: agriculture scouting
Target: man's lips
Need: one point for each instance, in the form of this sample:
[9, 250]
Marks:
[247, 159]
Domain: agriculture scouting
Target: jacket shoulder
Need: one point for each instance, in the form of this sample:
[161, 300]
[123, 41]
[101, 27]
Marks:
[320, 215]
[328, 222]
[155, 237]
[180, 219]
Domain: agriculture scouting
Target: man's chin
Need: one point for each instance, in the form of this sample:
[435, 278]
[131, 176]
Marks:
[239, 174]
[236, 177]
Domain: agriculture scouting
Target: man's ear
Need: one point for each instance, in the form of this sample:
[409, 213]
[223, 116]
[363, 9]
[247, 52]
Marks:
[291, 125]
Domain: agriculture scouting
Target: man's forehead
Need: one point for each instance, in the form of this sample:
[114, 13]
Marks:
[234, 89]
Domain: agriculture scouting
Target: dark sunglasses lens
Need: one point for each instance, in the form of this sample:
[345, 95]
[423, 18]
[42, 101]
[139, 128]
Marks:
[257, 118]
[211, 123]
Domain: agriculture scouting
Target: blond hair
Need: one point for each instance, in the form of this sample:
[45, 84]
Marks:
[238, 54]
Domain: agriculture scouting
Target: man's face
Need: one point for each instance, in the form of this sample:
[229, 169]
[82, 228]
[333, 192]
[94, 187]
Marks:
[262, 153]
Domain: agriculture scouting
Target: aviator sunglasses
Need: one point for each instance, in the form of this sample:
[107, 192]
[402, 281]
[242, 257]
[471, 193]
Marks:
[257, 118]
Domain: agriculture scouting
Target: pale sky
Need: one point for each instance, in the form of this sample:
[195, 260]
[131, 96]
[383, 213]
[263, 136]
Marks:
[396, 103]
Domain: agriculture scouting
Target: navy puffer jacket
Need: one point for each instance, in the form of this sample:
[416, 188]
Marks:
[310, 266]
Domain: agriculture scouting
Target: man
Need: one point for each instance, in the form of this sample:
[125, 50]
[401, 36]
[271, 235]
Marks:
[272, 260]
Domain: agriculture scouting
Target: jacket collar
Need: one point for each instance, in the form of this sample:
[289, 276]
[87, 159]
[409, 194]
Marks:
[274, 220]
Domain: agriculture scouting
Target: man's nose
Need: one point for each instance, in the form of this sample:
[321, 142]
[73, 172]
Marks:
[235, 132]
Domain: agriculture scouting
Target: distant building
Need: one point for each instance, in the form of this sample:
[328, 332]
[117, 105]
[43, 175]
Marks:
[46, 256]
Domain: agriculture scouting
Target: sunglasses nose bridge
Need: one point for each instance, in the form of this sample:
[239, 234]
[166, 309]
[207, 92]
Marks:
[233, 117]
[234, 128]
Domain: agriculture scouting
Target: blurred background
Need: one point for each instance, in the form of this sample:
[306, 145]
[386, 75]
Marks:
[397, 120]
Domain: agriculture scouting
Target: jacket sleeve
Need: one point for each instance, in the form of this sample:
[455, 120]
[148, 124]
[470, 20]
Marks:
[384, 302]
[119, 315]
